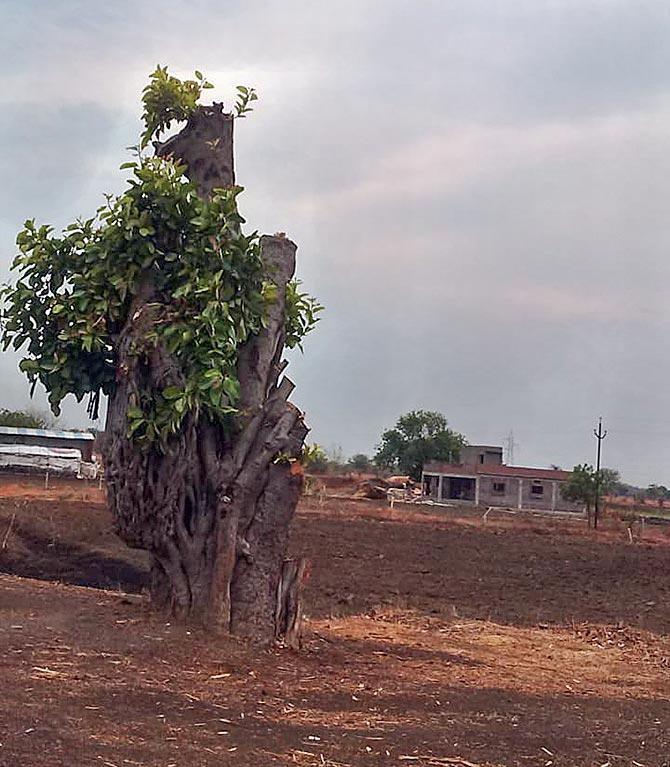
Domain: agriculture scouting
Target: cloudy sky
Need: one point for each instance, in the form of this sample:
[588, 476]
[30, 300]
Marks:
[479, 191]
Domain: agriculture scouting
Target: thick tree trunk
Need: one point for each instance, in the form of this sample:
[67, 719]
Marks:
[214, 509]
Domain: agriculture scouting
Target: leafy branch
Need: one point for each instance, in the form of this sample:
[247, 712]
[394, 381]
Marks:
[74, 292]
[302, 312]
[245, 96]
[167, 99]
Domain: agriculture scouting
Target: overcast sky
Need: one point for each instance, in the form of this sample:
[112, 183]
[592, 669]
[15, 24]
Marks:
[479, 191]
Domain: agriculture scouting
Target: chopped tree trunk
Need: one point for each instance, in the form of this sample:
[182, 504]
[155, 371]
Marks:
[214, 508]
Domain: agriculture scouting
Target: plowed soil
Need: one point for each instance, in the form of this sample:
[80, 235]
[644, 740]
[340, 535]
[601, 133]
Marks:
[432, 638]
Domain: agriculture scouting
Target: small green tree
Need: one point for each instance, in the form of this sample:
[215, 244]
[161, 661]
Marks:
[314, 458]
[609, 481]
[22, 419]
[585, 483]
[418, 437]
[657, 492]
[359, 462]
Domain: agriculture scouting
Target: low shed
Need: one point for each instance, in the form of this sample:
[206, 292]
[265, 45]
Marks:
[51, 438]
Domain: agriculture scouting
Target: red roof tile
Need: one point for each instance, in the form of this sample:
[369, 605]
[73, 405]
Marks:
[495, 470]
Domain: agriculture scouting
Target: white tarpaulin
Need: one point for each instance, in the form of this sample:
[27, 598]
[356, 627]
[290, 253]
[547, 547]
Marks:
[59, 460]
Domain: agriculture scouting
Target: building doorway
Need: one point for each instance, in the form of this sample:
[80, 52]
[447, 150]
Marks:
[458, 489]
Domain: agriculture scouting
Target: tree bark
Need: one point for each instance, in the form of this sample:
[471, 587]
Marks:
[214, 509]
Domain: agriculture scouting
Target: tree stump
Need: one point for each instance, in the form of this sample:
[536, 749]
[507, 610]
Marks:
[214, 508]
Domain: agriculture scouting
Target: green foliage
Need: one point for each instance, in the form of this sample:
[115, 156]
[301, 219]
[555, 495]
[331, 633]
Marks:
[585, 482]
[418, 437]
[209, 292]
[359, 462]
[167, 99]
[301, 314]
[608, 481]
[581, 487]
[22, 419]
[314, 457]
[657, 492]
[244, 98]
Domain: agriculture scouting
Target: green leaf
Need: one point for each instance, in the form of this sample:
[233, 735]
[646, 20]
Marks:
[135, 425]
[231, 387]
[172, 392]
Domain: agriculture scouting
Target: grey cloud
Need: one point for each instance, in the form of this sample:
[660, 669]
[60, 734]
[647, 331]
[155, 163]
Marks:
[477, 190]
[49, 158]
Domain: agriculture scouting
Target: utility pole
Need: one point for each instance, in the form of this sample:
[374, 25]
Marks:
[600, 436]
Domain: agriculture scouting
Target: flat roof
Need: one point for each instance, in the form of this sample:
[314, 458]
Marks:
[49, 433]
[495, 470]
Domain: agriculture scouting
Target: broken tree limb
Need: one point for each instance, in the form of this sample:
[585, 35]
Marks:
[288, 615]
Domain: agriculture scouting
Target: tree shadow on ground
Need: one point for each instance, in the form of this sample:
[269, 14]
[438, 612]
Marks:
[50, 558]
[365, 562]
[154, 723]
[90, 679]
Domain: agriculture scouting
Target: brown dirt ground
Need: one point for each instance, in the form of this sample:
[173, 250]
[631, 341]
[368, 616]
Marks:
[433, 638]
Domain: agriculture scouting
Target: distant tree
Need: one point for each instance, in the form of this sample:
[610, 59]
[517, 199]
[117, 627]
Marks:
[624, 489]
[585, 482]
[657, 492]
[581, 487]
[337, 463]
[610, 479]
[418, 437]
[314, 458]
[359, 462]
[24, 419]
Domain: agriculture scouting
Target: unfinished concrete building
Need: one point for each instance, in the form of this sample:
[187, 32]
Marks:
[481, 479]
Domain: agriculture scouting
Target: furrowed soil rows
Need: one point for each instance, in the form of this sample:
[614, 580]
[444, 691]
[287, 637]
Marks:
[432, 638]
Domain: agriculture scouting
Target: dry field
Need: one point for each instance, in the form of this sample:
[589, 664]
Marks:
[433, 639]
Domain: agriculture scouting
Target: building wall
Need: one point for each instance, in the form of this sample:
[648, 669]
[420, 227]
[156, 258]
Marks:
[509, 499]
[529, 500]
[481, 454]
